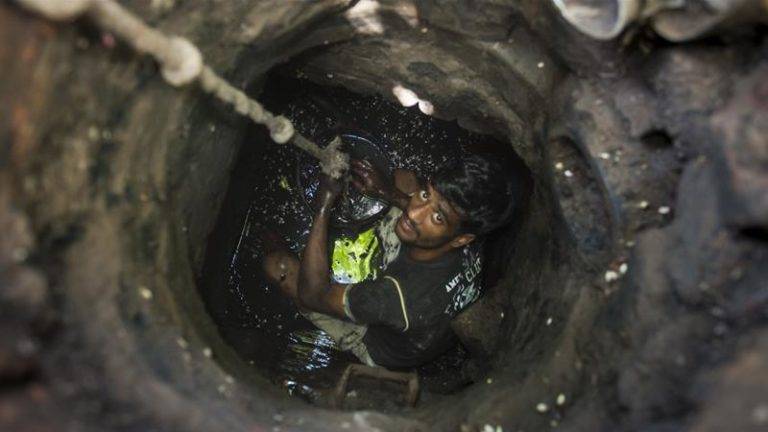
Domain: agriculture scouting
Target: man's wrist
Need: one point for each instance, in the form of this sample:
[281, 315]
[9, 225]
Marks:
[324, 201]
[324, 209]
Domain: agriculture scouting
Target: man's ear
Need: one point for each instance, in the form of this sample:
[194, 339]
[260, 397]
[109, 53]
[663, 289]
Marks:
[462, 240]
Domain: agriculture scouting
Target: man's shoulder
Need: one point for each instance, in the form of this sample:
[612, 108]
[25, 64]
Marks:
[454, 281]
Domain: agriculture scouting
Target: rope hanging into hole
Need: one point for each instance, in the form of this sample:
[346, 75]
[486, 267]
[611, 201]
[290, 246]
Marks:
[181, 63]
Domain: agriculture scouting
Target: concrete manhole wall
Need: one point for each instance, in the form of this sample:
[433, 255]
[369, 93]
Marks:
[636, 294]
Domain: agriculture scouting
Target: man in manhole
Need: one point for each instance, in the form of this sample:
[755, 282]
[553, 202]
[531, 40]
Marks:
[431, 245]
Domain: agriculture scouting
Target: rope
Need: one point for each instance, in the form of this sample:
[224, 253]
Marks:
[280, 128]
[181, 63]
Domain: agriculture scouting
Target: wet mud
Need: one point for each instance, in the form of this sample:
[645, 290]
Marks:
[267, 206]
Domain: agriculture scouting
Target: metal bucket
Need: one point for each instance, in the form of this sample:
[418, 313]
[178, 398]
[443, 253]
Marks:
[353, 210]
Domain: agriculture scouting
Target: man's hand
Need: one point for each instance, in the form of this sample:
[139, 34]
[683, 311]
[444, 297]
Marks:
[328, 192]
[370, 181]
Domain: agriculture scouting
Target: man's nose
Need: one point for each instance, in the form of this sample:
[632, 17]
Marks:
[416, 212]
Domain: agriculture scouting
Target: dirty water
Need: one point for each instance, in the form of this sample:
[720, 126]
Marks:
[265, 205]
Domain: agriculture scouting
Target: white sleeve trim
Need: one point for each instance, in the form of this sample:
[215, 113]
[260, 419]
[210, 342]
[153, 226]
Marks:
[345, 300]
[402, 300]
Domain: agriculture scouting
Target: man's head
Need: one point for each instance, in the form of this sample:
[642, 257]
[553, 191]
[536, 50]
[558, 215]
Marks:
[462, 201]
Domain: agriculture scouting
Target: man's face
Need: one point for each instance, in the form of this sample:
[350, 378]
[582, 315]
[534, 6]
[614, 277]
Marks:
[429, 222]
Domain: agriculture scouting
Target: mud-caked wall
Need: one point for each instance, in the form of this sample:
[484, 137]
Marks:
[111, 183]
[633, 295]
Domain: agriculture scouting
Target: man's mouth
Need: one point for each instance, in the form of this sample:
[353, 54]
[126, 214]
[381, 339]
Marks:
[407, 225]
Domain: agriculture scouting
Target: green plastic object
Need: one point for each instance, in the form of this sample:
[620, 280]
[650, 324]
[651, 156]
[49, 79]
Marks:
[353, 257]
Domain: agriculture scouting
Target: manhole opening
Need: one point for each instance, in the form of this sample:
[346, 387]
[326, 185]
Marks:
[266, 203]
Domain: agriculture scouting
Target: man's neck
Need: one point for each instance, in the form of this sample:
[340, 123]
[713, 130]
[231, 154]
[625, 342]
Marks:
[428, 255]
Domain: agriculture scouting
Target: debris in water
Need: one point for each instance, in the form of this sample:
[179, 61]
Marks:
[549, 321]
[605, 155]
[489, 428]
[642, 205]
[182, 343]
[145, 293]
[559, 166]
[623, 268]
[611, 276]
[540, 65]
[568, 173]
[560, 399]
[542, 407]
[207, 352]
[93, 133]
[664, 210]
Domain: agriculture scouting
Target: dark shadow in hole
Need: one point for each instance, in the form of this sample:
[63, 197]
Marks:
[657, 139]
[755, 232]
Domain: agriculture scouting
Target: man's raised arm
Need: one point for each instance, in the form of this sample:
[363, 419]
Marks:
[315, 290]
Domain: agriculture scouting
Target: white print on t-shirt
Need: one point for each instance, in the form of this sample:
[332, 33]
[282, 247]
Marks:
[465, 285]
[452, 283]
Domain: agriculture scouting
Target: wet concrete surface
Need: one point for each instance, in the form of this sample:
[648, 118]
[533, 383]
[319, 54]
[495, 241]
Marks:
[264, 206]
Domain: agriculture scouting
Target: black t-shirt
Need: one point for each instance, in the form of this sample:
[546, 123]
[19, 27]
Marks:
[409, 308]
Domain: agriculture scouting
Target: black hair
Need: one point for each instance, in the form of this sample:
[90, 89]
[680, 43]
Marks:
[480, 190]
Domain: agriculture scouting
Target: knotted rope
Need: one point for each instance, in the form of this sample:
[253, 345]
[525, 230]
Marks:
[181, 63]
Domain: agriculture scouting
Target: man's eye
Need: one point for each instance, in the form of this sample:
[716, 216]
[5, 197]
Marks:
[423, 195]
[438, 218]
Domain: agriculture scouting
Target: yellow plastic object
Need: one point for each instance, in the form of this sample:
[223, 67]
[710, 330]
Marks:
[351, 260]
